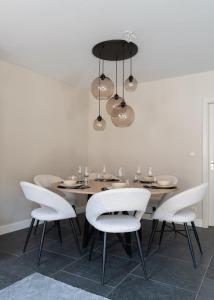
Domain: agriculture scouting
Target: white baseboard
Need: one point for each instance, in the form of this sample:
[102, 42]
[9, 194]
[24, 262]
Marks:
[26, 223]
[14, 226]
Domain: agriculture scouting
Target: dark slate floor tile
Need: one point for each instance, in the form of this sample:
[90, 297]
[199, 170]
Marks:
[173, 272]
[176, 249]
[14, 242]
[206, 236]
[4, 256]
[116, 248]
[207, 290]
[27, 264]
[67, 248]
[82, 283]
[210, 271]
[116, 268]
[138, 289]
[6, 278]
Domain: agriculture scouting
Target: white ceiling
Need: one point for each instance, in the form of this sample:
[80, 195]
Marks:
[55, 37]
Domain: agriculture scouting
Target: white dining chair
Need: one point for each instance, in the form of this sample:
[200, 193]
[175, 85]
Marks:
[101, 205]
[53, 207]
[178, 209]
[47, 181]
[155, 201]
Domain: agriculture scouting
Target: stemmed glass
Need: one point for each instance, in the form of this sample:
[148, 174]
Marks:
[138, 173]
[80, 173]
[86, 175]
[120, 173]
[104, 172]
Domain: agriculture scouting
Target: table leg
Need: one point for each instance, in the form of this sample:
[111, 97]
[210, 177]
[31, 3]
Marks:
[86, 236]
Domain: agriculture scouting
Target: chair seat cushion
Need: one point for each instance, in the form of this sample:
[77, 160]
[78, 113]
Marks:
[48, 214]
[117, 223]
[184, 216]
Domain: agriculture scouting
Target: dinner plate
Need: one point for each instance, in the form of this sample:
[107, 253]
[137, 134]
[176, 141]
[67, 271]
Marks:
[170, 186]
[69, 186]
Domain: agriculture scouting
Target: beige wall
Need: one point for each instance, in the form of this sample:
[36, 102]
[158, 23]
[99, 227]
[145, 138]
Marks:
[46, 127]
[43, 129]
[167, 127]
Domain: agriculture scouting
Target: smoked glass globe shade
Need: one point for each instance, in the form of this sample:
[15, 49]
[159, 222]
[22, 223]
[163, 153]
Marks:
[99, 124]
[130, 84]
[122, 116]
[112, 103]
[105, 85]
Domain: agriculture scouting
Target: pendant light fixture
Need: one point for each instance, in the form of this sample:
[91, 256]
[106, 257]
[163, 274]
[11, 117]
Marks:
[102, 88]
[99, 123]
[103, 85]
[123, 114]
[115, 100]
[131, 82]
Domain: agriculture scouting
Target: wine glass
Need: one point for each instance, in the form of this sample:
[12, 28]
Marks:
[138, 173]
[86, 175]
[120, 173]
[79, 173]
[104, 172]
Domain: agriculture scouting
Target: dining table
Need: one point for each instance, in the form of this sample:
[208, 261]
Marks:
[96, 186]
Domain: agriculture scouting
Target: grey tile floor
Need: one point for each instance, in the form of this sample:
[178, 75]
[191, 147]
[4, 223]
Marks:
[170, 269]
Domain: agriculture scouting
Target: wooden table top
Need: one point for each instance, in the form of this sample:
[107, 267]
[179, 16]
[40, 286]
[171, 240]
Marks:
[96, 186]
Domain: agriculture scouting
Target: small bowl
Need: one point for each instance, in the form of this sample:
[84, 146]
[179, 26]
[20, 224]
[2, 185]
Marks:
[69, 182]
[163, 182]
[148, 178]
[119, 185]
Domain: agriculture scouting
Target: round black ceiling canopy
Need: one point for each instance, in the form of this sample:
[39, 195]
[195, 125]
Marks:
[115, 50]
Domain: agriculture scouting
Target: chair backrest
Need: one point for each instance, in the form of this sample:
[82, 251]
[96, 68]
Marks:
[47, 198]
[172, 179]
[188, 198]
[126, 199]
[46, 181]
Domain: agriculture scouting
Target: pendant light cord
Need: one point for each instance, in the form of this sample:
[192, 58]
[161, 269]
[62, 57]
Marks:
[131, 66]
[116, 77]
[99, 88]
[123, 80]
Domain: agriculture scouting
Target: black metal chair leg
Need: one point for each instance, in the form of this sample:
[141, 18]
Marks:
[59, 231]
[174, 228]
[141, 255]
[94, 237]
[36, 227]
[104, 257]
[42, 242]
[190, 244]
[196, 237]
[28, 234]
[162, 232]
[77, 220]
[154, 228]
[75, 235]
